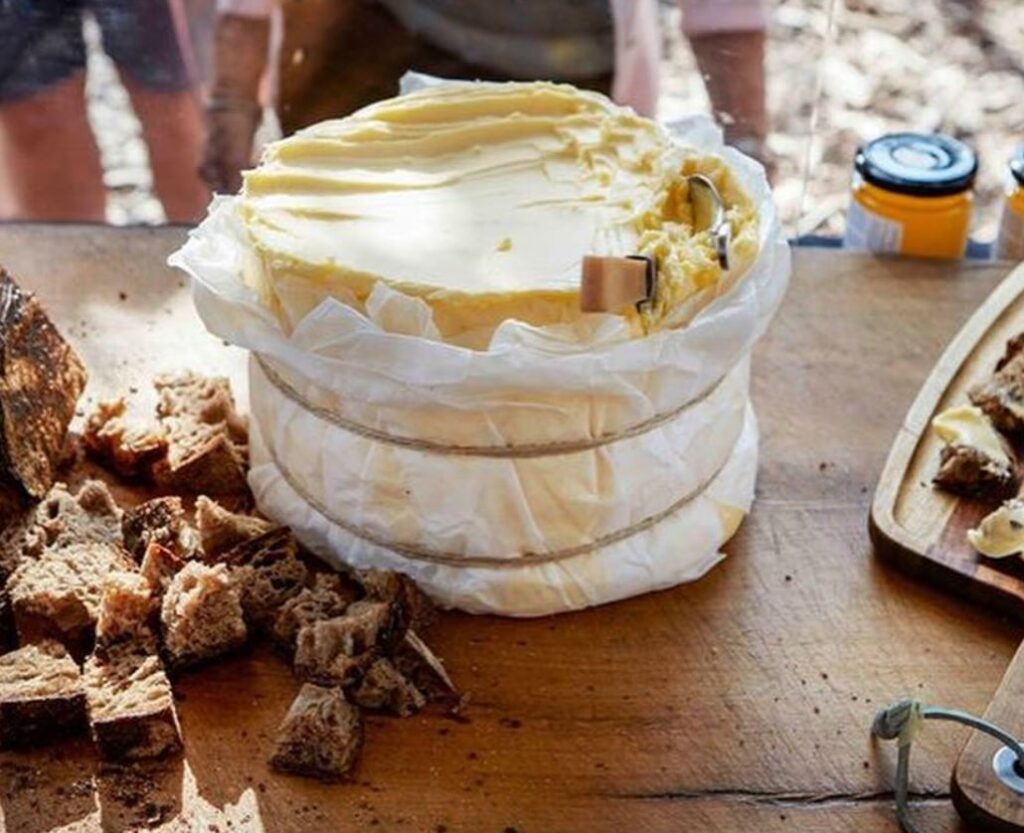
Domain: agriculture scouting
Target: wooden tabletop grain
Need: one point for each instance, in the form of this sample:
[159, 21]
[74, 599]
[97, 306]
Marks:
[740, 702]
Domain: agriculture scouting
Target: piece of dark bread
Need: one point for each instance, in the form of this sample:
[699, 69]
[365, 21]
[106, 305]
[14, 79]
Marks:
[126, 615]
[21, 539]
[201, 615]
[221, 530]
[41, 378]
[1001, 396]
[422, 667]
[161, 520]
[90, 515]
[384, 688]
[268, 572]
[969, 471]
[338, 651]
[57, 596]
[206, 437]
[120, 442]
[329, 596]
[41, 695]
[416, 608]
[159, 566]
[131, 709]
[321, 736]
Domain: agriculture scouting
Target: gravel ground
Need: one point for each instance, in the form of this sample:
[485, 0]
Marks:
[955, 66]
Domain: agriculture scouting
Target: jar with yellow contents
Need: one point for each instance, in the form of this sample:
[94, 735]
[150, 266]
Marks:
[912, 195]
[1010, 243]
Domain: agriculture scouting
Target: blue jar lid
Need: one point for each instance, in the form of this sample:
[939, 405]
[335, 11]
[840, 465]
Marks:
[920, 164]
[1017, 165]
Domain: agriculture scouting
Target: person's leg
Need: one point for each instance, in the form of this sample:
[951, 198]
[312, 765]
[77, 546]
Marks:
[172, 126]
[51, 165]
[728, 41]
[148, 41]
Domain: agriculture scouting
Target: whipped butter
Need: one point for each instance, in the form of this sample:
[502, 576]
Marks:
[1000, 533]
[482, 200]
[967, 425]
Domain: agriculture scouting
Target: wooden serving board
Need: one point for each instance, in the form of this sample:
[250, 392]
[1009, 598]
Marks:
[924, 529]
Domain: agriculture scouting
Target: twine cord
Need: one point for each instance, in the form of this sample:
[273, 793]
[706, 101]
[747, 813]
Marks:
[506, 451]
[454, 559]
[902, 722]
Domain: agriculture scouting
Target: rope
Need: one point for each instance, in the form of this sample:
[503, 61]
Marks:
[452, 559]
[902, 722]
[506, 451]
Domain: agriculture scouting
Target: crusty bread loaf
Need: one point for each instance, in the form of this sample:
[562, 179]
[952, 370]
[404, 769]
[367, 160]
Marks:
[161, 520]
[131, 709]
[207, 438]
[221, 530]
[201, 615]
[126, 614]
[57, 595]
[268, 572]
[321, 736]
[337, 651]
[120, 442]
[385, 688]
[41, 695]
[41, 378]
[329, 596]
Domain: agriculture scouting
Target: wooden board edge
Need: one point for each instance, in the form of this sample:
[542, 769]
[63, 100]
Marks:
[982, 801]
[892, 541]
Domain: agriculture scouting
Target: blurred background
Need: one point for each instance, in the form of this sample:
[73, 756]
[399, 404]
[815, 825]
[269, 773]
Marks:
[835, 73]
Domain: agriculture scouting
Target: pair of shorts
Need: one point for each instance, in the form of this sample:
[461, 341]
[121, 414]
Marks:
[41, 43]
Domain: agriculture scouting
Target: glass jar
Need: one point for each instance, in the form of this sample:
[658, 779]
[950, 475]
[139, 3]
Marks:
[1010, 242]
[912, 196]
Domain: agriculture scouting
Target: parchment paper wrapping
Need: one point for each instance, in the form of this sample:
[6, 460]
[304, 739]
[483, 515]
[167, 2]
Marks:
[563, 467]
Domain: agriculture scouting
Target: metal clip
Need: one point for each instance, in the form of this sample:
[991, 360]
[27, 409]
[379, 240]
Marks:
[709, 215]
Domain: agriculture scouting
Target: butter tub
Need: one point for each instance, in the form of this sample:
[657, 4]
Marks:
[561, 467]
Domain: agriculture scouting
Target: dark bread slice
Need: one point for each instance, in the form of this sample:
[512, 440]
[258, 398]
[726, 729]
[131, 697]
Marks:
[416, 608]
[207, 438]
[159, 567]
[126, 445]
[200, 458]
[162, 521]
[329, 596]
[89, 516]
[1001, 396]
[385, 688]
[268, 572]
[126, 615]
[201, 615]
[424, 669]
[970, 471]
[41, 695]
[221, 530]
[21, 539]
[57, 596]
[338, 651]
[41, 378]
[321, 736]
[131, 708]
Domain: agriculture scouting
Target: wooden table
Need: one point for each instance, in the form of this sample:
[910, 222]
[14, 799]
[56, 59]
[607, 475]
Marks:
[741, 702]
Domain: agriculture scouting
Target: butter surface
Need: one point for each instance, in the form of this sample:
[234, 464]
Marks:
[1000, 533]
[482, 199]
[967, 425]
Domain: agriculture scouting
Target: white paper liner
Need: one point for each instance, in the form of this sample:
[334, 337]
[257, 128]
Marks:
[387, 371]
[681, 548]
